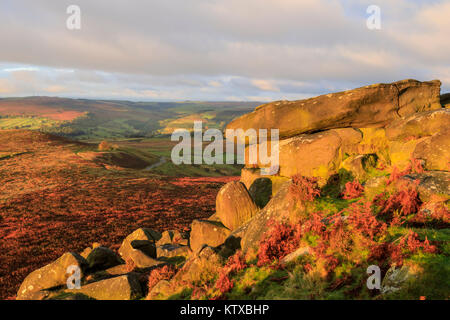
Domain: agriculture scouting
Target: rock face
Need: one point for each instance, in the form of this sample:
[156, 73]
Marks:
[280, 208]
[234, 205]
[250, 175]
[419, 125]
[124, 287]
[261, 191]
[445, 100]
[52, 275]
[371, 106]
[207, 232]
[322, 147]
[432, 184]
[359, 165]
[435, 151]
[313, 155]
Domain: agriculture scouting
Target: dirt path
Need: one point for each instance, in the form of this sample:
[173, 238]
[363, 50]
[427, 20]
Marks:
[161, 161]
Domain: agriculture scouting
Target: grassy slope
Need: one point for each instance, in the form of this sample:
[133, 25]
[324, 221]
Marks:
[431, 271]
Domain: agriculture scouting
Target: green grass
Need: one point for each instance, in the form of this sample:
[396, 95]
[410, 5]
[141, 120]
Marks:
[30, 123]
[433, 282]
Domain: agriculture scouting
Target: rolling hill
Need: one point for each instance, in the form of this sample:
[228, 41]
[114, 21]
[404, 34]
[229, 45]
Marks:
[84, 119]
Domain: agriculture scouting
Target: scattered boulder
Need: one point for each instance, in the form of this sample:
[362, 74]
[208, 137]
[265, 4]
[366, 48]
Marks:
[350, 138]
[126, 287]
[395, 278]
[140, 247]
[142, 261]
[234, 205]
[102, 258]
[50, 276]
[206, 232]
[374, 141]
[370, 106]
[215, 218]
[173, 237]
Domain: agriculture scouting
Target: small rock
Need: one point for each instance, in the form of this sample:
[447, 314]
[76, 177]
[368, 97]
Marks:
[394, 279]
[294, 255]
[124, 287]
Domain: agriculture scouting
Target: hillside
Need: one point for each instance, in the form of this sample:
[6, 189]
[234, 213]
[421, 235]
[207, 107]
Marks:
[84, 119]
[57, 194]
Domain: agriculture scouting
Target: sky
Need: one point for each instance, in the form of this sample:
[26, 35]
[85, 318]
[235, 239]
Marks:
[211, 50]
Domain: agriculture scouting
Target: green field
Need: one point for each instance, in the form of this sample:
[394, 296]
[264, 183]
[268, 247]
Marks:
[30, 123]
[107, 119]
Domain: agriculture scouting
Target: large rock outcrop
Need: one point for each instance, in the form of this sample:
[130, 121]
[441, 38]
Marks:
[370, 106]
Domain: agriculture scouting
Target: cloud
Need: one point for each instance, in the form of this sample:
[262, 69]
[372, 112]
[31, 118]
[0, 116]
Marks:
[219, 49]
[264, 85]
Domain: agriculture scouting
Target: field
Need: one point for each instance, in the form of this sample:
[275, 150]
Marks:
[58, 195]
[83, 119]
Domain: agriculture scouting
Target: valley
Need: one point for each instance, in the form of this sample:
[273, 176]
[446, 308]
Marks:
[58, 195]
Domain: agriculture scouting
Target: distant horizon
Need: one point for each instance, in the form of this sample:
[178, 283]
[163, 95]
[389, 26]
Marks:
[137, 100]
[130, 100]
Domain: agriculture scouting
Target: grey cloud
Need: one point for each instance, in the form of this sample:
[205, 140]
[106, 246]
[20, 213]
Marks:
[184, 45]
